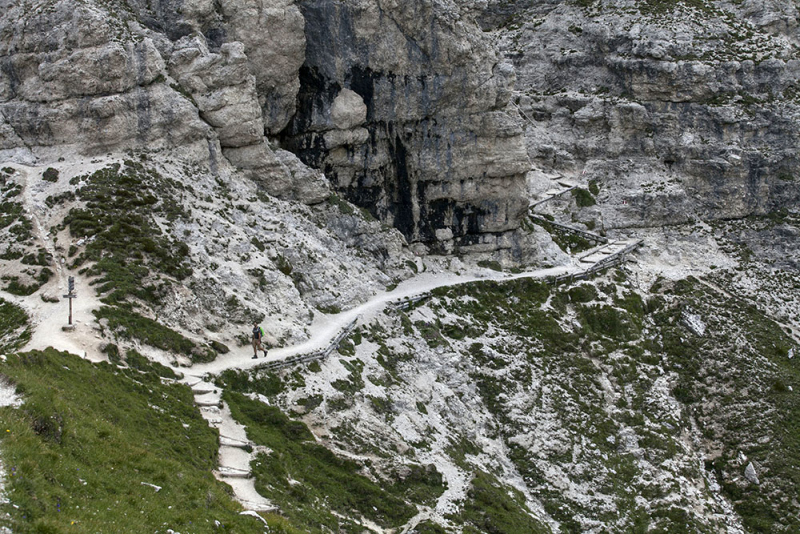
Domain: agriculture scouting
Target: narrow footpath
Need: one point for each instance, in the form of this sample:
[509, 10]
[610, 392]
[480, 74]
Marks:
[325, 327]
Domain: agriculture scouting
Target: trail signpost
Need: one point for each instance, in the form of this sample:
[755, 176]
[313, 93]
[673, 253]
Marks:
[70, 295]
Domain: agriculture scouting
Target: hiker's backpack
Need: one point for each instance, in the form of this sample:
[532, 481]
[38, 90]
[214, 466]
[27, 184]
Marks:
[262, 331]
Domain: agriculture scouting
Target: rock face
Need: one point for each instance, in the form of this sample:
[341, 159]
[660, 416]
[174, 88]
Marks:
[70, 81]
[678, 111]
[402, 105]
[224, 90]
[96, 79]
[272, 33]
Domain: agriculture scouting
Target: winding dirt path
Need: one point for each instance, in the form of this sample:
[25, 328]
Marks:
[325, 327]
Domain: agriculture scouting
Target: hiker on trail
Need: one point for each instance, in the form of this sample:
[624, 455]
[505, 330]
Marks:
[258, 335]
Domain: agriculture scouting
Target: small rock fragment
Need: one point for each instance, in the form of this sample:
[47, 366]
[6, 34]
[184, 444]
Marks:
[750, 473]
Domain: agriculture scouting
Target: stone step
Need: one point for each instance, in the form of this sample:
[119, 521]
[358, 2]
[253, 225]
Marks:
[258, 507]
[232, 472]
[234, 443]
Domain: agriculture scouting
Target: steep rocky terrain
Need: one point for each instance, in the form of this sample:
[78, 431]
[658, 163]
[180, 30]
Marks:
[420, 138]
[679, 110]
[198, 166]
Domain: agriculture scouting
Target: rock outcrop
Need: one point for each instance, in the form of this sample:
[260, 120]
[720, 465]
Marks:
[402, 105]
[75, 80]
[273, 36]
[94, 79]
[224, 90]
[678, 111]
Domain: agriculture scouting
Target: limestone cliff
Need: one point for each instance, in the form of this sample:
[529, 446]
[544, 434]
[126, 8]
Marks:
[678, 110]
[401, 105]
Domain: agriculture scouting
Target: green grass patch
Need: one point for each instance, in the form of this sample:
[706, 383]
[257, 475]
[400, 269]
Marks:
[582, 294]
[490, 294]
[50, 175]
[12, 215]
[607, 321]
[567, 241]
[41, 258]
[430, 333]
[266, 383]
[345, 208]
[583, 198]
[491, 264]
[130, 325]
[332, 309]
[283, 265]
[419, 484]
[133, 257]
[14, 327]
[86, 439]
[346, 348]
[494, 508]
[20, 288]
[428, 527]
[136, 361]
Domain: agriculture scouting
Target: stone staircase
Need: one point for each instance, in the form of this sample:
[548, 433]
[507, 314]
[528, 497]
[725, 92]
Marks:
[235, 450]
[607, 254]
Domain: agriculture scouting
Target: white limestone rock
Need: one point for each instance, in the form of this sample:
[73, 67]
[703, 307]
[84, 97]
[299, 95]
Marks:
[223, 88]
[617, 93]
[348, 110]
[272, 32]
[750, 474]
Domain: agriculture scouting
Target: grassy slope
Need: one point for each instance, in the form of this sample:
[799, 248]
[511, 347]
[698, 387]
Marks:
[494, 508]
[86, 439]
[14, 329]
[309, 482]
[741, 387]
